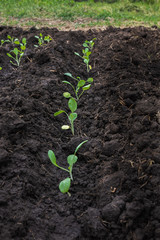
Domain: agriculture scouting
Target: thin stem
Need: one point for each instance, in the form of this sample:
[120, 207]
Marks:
[72, 127]
[13, 63]
[75, 79]
[69, 194]
[17, 60]
[63, 168]
[87, 68]
[81, 94]
[70, 172]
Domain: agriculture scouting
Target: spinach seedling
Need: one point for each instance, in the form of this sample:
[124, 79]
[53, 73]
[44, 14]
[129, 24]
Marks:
[18, 54]
[12, 40]
[41, 40]
[3, 41]
[64, 185]
[72, 104]
[88, 46]
[80, 87]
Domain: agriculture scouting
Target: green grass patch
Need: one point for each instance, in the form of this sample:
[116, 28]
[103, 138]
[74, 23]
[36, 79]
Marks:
[118, 13]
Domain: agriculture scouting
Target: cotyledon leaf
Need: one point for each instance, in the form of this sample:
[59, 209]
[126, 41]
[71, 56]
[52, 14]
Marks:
[64, 185]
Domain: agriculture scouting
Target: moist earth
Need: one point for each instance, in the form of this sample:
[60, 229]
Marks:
[116, 189]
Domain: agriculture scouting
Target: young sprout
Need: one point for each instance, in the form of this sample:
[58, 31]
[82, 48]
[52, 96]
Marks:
[3, 41]
[18, 54]
[80, 87]
[0, 68]
[88, 46]
[72, 104]
[65, 184]
[12, 40]
[41, 40]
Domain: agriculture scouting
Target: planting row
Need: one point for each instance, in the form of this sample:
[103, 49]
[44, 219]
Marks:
[78, 88]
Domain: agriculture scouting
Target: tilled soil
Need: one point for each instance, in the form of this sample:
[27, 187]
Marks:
[115, 194]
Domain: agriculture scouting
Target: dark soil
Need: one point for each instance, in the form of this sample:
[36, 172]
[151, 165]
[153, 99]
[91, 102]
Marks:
[115, 194]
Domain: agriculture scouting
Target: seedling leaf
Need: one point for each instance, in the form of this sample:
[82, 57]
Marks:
[68, 74]
[72, 104]
[86, 87]
[90, 80]
[64, 185]
[78, 147]
[85, 45]
[59, 112]
[86, 61]
[68, 83]
[71, 159]
[81, 83]
[9, 55]
[16, 42]
[73, 116]
[23, 47]
[52, 157]
[77, 54]
[15, 50]
[66, 94]
[24, 40]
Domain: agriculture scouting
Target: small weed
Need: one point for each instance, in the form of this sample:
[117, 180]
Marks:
[42, 41]
[64, 185]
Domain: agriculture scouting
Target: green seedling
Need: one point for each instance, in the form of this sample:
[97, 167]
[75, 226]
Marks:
[3, 41]
[42, 41]
[64, 185]
[18, 54]
[12, 40]
[0, 68]
[72, 104]
[80, 88]
[88, 46]
[9, 40]
[17, 58]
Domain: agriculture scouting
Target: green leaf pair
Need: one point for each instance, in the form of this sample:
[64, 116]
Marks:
[64, 185]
